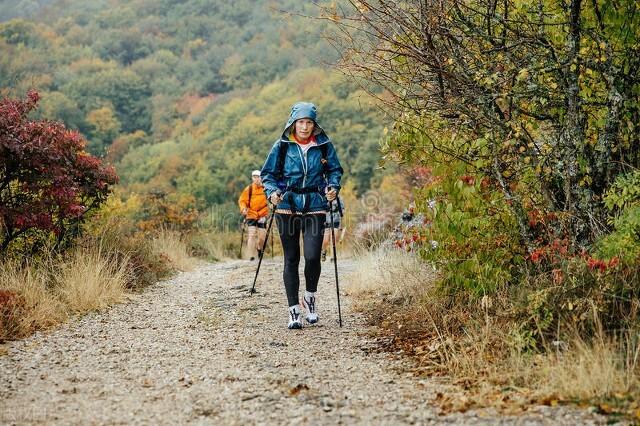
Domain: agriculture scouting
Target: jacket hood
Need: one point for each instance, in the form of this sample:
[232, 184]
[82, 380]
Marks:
[304, 110]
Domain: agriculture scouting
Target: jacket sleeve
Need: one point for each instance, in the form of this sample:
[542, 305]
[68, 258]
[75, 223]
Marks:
[268, 172]
[334, 169]
[243, 201]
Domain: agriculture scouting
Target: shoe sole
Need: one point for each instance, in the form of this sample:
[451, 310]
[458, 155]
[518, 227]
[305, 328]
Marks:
[295, 326]
[312, 321]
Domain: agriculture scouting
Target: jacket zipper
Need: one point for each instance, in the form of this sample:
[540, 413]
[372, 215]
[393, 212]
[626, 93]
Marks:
[303, 157]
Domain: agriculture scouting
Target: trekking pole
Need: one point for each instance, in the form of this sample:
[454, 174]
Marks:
[244, 222]
[264, 246]
[335, 260]
[272, 255]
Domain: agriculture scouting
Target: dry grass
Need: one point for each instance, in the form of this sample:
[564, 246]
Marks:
[216, 245]
[601, 368]
[90, 280]
[391, 273]
[172, 246]
[34, 306]
[470, 341]
[40, 295]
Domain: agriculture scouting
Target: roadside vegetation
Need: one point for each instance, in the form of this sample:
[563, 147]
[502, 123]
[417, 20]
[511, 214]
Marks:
[521, 119]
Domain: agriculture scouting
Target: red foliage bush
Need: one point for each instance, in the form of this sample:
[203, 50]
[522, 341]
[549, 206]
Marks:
[10, 305]
[48, 182]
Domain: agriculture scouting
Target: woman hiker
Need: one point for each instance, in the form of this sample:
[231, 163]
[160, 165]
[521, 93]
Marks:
[302, 173]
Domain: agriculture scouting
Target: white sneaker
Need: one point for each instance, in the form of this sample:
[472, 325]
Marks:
[309, 302]
[295, 322]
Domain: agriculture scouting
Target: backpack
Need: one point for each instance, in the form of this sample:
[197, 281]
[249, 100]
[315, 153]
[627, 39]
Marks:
[250, 193]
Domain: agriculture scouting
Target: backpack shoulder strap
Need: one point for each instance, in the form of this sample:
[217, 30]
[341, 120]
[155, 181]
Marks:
[283, 147]
[323, 152]
[250, 193]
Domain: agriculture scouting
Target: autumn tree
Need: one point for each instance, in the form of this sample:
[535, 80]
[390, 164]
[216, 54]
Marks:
[48, 182]
[541, 97]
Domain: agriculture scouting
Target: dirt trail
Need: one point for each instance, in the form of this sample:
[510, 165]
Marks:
[197, 349]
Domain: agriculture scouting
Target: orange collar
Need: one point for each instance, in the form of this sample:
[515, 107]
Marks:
[312, 138]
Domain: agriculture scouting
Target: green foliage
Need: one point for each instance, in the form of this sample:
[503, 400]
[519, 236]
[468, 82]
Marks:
[147, 50]
[624, 241]
[550, 89]
[623, 200]
[15, 8]
[20, 32]
[624, 192]
[474, 234]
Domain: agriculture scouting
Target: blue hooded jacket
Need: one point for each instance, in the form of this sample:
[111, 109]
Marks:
[302, 172]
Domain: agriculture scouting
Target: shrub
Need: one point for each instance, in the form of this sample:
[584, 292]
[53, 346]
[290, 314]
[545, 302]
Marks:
[11, 308]
[113, 229]
[48, 183]
[475, 243]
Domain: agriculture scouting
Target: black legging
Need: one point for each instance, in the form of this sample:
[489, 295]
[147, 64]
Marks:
[312, 228]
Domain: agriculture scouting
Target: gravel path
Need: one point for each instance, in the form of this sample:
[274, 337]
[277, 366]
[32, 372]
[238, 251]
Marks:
[197, 349]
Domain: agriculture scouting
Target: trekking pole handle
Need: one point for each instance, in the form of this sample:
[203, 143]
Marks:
[337, 201]
[280, 195]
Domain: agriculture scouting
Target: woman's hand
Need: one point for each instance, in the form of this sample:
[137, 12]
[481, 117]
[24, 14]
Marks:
[275, 198]
[331, 193]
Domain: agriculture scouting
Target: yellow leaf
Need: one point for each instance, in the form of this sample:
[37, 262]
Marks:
[523, 74]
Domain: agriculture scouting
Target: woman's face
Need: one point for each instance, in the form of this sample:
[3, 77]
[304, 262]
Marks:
[304, 128]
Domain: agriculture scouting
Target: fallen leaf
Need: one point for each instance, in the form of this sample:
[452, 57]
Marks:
[297, 389]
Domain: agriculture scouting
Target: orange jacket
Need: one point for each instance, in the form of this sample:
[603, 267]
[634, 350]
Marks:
[258, 205]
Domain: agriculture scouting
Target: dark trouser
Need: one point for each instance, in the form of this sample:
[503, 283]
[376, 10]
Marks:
[312, 228]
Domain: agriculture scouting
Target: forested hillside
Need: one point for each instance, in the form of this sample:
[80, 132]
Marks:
[22, 8]
[184, 96]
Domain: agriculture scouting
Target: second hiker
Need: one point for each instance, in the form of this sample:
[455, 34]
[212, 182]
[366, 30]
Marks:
[253, 206]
